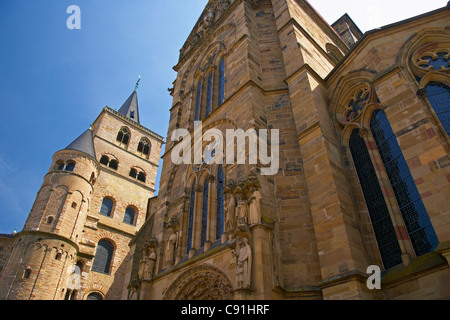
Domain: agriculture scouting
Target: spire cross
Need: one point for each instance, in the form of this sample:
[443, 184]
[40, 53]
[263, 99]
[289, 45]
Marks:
[137, 83]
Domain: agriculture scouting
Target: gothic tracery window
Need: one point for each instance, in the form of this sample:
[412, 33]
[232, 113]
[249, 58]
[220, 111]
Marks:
[221, 86]
[379, 214]
[408, 202]
[144, 147]
[123, 137]
[438, 59]
[415, 216]
[198, 101]
[357, 104]
[438, 95]
[430, 68]
[209, 90]
[220, 203]
[190, 218]
[204, 221]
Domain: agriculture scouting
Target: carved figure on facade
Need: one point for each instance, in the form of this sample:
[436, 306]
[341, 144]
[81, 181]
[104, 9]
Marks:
[230, 213]
[242, 212]
[255, 208]
[172, 243]
[148, 262]
[243, 252]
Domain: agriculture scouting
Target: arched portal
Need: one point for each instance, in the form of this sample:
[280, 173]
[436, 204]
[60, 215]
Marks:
[203, 282]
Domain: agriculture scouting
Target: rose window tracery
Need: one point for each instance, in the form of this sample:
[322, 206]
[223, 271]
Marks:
[435, 60]
[357, 104]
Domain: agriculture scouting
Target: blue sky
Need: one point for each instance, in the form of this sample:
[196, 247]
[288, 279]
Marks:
[54, 81]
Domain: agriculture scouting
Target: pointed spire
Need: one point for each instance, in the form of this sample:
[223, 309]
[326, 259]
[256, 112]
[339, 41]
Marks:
[130, 108]
[84, 143]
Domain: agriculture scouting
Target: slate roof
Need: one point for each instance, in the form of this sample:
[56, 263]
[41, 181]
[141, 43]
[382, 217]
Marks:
[130, 108]
[84, 143]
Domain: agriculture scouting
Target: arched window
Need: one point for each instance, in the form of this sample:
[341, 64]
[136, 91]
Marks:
[439, 97]
[198, 101]
[60, 165]
[220, 203]
[142, 176]
[379, 214]
[78, 268]
[205, 203]
[123, 137]
[103, 257]
[129, 216]
[133, 173]
[209, 91]
[94, 296]
[138, 174]
[190, 219]
[107, 207]
[415, 216]
[221, 86]
[113, 164]
[104, 160]
[144, 147]
[70, 166]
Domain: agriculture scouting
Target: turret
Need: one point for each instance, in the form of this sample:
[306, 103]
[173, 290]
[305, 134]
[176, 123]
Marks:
[44, 253]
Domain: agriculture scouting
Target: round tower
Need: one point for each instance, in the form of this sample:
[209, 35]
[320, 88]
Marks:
[44, 254]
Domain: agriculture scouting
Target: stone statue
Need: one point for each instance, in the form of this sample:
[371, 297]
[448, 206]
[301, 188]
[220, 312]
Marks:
[241, 212]
[147, 264]
[230, 213]
[243, 253]
[255, 208]
[209, 18]
[170, 249]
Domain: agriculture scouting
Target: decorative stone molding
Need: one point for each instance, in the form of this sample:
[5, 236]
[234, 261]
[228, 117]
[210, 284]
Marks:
[202, 282]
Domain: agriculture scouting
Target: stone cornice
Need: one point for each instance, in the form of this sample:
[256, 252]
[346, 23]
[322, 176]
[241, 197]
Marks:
[135, 125]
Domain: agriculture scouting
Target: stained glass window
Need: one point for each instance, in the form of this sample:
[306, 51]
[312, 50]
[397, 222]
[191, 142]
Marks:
[439, 97]
[209, 95]
[221, 87]
[191, 219]
[357, 105]
[204, 229]
[220, 203]
[379, 214]
[103, 257]
[198, 101]
[417, 221]
[440, 61]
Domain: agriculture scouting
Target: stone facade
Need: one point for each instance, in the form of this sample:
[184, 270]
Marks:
[307, 227]
[53, 257]
[229, 231]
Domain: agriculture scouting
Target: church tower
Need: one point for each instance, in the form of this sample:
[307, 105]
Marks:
[92, 202]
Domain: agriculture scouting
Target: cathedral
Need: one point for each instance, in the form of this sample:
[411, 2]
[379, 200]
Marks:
[357, 208]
